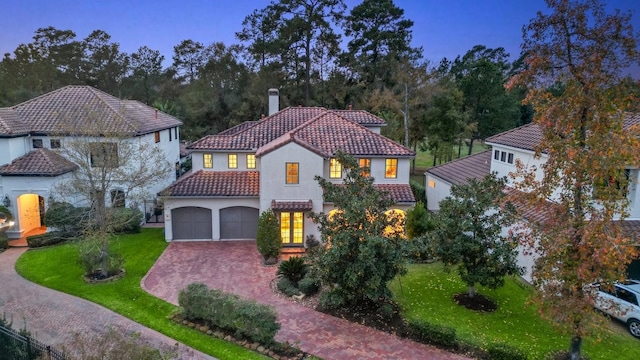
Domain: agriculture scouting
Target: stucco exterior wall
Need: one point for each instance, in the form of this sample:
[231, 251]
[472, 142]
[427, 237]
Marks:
[12, 148]
[436, 191]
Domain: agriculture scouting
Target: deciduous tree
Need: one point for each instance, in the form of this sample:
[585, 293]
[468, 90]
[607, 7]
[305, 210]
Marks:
[576, 54]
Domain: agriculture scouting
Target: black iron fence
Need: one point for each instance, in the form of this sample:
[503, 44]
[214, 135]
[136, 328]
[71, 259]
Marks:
[16, 346]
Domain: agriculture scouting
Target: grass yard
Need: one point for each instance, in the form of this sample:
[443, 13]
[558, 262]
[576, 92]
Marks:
[56, 267]
[426, 292]
[424, 159]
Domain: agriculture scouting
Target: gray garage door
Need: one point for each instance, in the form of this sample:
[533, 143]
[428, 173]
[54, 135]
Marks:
[191, 223]
[238, 222]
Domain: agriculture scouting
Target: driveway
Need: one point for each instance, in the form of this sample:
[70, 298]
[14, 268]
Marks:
[234, 266]
[53, 316]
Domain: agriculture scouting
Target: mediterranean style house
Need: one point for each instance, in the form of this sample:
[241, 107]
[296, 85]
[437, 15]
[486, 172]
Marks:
[35, 134]
[271, 164]
[506, 148]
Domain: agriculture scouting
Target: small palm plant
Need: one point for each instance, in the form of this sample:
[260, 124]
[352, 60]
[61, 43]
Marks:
[293, 269]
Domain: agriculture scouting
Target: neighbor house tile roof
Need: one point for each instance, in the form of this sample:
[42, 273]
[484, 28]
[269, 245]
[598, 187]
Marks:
[39, 162]
[78, 110]
[330, 132]
[527, 137]
[457, 172]
[216, 184]
[291, 205]
[361, 117]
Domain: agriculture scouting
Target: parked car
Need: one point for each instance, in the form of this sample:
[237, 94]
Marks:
[622, 301]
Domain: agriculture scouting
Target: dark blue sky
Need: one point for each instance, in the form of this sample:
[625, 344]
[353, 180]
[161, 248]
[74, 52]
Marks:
[444, 28]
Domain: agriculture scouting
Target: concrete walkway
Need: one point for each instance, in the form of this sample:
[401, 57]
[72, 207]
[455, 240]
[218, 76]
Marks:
[53, 316]
[234, 266]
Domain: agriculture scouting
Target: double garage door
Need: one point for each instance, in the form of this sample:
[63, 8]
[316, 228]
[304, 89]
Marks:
[192, 222]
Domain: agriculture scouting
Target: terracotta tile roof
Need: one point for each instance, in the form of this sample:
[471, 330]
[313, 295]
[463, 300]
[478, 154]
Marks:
[83, 109]
[216, 184]
[292, 205]
[400, 193]
[361, 117]
[330, 132]
[456, 172]
[527, 137]
[39, 162]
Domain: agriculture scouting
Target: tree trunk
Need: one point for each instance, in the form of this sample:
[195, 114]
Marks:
[470, 145]
[472, 290]
[574, 350]
[104, 260]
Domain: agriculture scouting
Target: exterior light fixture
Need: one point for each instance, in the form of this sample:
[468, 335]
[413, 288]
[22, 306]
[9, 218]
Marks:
[6, 201]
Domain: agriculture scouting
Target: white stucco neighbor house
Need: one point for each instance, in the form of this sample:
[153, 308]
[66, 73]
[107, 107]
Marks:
[506, 148]
[271, 164]
[33, 136]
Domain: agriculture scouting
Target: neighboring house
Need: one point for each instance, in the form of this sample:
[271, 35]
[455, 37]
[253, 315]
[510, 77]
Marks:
[33, 136]
[271, 164]
[506, 148]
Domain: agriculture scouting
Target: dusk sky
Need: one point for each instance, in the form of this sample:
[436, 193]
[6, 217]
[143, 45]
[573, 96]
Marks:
[444, 28]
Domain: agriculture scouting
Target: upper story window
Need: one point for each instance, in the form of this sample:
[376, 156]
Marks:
[251, 161]
[391, 168]
[207, 161]
[104, 154]
[37, 143]
[170, 135]
[335, 169]
[233, 161]
[175, 133]
[156, 135]
[292, 173]
[503, 156]
[365, 167]
[56, 144]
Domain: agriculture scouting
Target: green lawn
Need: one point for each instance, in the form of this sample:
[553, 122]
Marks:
[426, 293]
[424, 159]
[56, 267]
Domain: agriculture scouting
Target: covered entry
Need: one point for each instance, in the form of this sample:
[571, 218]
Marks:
[238, 222]
[191, 223]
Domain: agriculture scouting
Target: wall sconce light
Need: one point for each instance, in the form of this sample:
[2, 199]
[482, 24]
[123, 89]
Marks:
[6, 201]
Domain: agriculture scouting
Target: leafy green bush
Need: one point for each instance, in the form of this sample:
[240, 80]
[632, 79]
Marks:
[293, 269]
[308, 286]
[126, 220]
[4, 241]
[433, 334]
[268, 237]
[419, 222]
[505, 352]
[286, 287]
[245, 318]
[67, 219]
[46, 239]
[418, 190]
[6, 211]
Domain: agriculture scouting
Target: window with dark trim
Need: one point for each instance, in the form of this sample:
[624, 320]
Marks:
[391, 168]
[292, 176]
[175, 132]
[233, 161]
[56, 144]
[104, 154]
[117, 198]
[37, 143]
[207, 161]
[335, 169]
[156, 135]
[251, 161]
[170, 135]
[503, 156]
[365, 167]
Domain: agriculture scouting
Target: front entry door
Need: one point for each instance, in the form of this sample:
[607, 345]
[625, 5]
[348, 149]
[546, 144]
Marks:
[291, 228]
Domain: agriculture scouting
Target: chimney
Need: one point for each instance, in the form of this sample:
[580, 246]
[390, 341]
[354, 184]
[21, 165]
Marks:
[274, 102]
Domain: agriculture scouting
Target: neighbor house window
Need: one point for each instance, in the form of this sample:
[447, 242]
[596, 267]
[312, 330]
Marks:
[117, 198]
[233, 161]
[207, 161]
[104, 154]
[156, 135]
[292, 173]
[169, 134]
[335, 168]
[175, 133]
[251, 161]
[391, 168]
[291, 228]
[365, 167]
[37, 143]
[503, 156]
[55, 144]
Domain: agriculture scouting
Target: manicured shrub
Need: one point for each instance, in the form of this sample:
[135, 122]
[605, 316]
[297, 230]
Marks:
[286, 287]
[418, 190]
[247, 319]
[293, 269]
[505, 352]
[4, 241]
[308, 286]
[126, 220]
[419, 222]
[46, 239]
[6, 211]
[68, 220]
[268, 237]
[433, 334]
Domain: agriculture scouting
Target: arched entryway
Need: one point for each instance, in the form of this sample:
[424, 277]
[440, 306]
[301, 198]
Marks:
[31, 208]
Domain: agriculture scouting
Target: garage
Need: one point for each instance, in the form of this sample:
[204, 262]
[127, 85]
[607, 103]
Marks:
[238, 222]
[191, 223]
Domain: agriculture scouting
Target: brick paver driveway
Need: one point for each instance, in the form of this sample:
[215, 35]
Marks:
[53, 316]
[234, 266]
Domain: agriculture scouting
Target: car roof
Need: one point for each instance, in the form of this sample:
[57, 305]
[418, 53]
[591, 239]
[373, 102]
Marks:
[632, 285]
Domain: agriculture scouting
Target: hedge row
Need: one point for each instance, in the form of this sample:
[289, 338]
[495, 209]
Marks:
[46, 239]
[246, 319]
